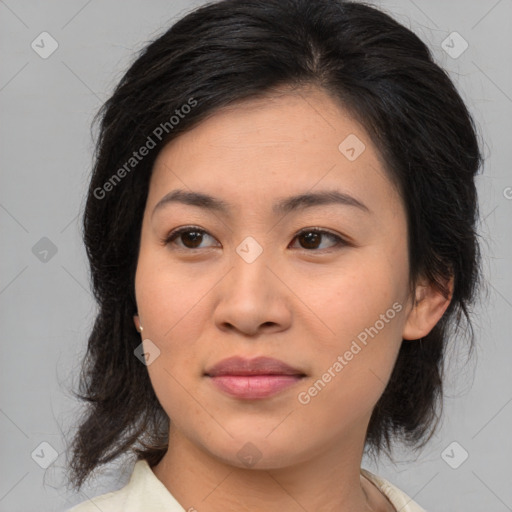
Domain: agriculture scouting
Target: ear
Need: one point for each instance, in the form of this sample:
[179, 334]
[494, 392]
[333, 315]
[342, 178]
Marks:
[136, 321]
[428, 308]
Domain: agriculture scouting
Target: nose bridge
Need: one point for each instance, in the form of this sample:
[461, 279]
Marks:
[251, 297]
[250, 266]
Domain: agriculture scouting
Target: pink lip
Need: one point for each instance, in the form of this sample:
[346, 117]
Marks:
[253, 378]
[254, 386]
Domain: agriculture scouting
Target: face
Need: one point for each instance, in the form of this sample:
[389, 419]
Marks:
[318, 283]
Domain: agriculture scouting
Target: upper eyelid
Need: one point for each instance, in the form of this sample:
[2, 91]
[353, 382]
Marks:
[197, 228]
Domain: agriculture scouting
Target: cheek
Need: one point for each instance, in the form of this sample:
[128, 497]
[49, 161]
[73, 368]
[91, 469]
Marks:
[353, 367]
[174, 308]
[170, 310]
[362, 308]
[166, 297]
[353, 296]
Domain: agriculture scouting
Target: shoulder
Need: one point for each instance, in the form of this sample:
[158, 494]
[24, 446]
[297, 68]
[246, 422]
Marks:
[143, 493]
[398, 498]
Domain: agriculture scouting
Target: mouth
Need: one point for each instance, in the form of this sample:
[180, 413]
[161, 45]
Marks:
[257, 378]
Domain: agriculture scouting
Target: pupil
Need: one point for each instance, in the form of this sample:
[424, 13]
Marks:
[311, 239]
[194, 237]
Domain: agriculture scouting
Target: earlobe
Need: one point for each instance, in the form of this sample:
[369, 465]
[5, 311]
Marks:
[137, 323]
[430, 305]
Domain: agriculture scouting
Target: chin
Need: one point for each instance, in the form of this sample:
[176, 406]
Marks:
[258, 451]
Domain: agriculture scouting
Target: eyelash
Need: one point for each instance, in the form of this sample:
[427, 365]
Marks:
[340, 242]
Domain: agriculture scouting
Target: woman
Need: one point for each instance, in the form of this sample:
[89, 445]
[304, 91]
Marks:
[281, 231]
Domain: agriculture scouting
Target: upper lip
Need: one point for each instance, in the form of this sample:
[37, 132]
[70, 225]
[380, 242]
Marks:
[257, 366]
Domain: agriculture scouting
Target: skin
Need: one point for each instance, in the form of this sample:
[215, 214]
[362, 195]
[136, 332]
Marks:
[299, 304]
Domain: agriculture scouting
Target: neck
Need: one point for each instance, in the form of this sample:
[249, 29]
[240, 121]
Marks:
[328, 480]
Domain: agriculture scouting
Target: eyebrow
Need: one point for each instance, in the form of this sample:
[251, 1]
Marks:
[281, 207]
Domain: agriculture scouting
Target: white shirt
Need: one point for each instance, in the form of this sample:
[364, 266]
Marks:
[146, 493]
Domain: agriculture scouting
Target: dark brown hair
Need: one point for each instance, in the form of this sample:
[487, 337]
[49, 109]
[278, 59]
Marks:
[232, 50]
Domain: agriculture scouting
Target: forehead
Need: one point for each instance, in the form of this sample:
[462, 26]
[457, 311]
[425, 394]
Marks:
[288, 123]
[262, 148]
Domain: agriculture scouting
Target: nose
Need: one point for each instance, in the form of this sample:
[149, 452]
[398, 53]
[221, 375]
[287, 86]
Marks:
[252, 299]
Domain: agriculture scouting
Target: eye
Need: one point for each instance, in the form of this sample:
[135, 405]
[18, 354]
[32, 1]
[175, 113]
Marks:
[190, 237]
[311, 239]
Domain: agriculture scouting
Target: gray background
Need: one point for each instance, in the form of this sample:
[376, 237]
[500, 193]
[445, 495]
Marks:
[47, 310]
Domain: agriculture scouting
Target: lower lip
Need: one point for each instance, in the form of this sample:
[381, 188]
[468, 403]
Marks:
[254, 386]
